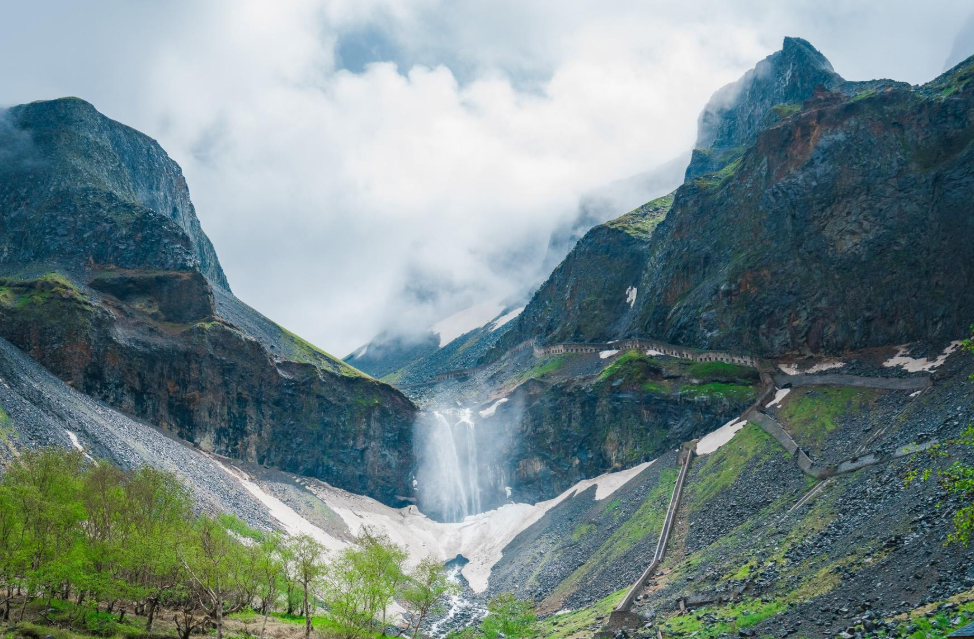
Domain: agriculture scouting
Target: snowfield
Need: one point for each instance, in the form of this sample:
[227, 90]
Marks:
[480, 538]
[464, 321]
[504, 319]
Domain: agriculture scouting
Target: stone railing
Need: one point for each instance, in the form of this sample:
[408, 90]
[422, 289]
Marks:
[662, 348]
[622, 616]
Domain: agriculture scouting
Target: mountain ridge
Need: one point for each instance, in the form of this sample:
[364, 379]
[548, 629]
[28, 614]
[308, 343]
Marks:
[107, 279]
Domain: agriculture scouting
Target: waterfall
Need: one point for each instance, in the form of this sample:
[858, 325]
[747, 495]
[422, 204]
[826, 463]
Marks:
[450, 464]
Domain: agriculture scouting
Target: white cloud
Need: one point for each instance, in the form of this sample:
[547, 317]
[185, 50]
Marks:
[343, 203]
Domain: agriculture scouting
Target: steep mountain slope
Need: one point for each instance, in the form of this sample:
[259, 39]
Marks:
[109, 282]
[844, 225]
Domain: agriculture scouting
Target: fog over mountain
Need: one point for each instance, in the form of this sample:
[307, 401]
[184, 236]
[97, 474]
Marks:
[300, 126]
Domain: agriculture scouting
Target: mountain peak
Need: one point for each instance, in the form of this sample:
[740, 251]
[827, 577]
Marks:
[800, 49]
[71, 158]
[738, 111]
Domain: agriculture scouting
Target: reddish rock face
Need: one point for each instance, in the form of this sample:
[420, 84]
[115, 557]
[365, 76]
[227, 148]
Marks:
[842, 222]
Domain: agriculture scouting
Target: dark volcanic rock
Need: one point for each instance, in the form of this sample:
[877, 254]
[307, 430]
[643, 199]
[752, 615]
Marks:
[112, 286]
[79, 188]
[845, 225]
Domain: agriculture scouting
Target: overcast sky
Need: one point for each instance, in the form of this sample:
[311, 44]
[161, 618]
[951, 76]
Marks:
[361, 164]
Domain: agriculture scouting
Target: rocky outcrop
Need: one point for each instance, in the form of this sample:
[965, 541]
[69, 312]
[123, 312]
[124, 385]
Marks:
[766, 94]
[111, 285]
[845, 225]
[79, 188]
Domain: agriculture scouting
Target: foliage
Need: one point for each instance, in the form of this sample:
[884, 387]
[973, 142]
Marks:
[95, 541]
[427, 587]
[508, 616]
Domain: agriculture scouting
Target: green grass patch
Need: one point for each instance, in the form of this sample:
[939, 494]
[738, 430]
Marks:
[581, 530]
[576, 624]
[546, 366]
[730, 618]
[811, 413]
[862, 95]
[37, 291]
[720, 390]
[646, 521]
[308, 353]
[785, 111]
[633, 369]
[722, 372]
[642, 221]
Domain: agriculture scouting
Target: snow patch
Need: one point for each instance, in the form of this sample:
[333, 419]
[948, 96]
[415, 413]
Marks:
[504, 319]
[779, 395]
[489, 411]
[293, 523]
[631, 296]
[654, 353]
[916, 365]
[714, 440]
[825, 366]
[465, 321]
[607, 354]
[74, 441]
[828, 365]
[77, 444]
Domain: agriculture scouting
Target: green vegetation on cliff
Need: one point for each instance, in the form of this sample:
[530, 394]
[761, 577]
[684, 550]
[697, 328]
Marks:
[810, 414]
[642, 221]
[720, 469]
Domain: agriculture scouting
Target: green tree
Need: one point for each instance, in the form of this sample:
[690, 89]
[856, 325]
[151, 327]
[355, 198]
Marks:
[426, 590]
[159, 509]
[45, 486]
[362, 582]
[381, 564]
[213, 562]
[11, 547]
[508, 616]
[308, 568]
[270, 570]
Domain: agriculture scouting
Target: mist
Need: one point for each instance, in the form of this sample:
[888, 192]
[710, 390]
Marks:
[375, 166]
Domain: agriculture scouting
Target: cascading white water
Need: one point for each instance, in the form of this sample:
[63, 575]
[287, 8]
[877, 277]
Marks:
[450, 464]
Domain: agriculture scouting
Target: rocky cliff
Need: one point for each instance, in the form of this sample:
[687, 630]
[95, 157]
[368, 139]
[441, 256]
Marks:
[844, 224]
[110, 283]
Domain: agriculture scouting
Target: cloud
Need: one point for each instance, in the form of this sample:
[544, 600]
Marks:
[363, 165]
